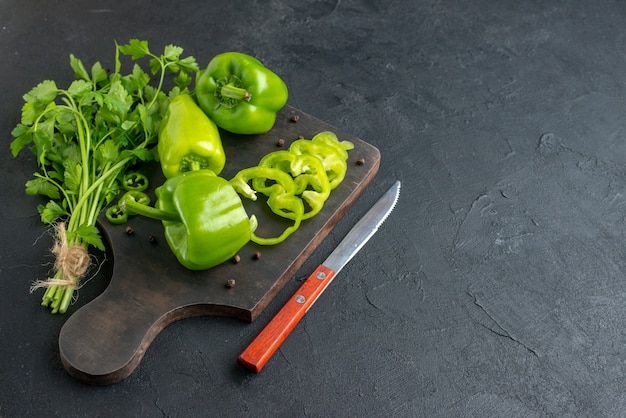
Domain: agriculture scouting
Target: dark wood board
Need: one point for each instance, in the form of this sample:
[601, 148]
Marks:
[104, 341]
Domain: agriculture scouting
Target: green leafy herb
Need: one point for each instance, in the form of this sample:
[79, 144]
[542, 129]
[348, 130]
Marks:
[85, 137]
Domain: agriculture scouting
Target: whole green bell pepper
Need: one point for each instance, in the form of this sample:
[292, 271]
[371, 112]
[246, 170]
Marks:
[204, 219]
[188, 139]
[240, 94]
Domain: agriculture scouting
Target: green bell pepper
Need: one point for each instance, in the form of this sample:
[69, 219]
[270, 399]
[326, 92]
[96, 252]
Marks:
[240, 94]
[188, 139]
[204, 219]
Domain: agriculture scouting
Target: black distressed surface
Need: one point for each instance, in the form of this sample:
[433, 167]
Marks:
[495, 289]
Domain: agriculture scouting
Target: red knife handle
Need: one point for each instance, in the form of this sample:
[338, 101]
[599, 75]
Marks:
[261, 349]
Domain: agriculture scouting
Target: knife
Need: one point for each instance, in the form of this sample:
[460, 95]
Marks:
[261, 349]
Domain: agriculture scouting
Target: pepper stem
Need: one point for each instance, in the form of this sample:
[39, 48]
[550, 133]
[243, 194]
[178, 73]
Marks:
[236, 93]
[149, 211]
[230, 91]
[195, 165]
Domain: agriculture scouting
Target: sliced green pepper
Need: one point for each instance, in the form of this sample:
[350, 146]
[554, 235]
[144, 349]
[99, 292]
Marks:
[135, 181]
[204, 220]
[116, 214]
[332, 153]
[240, 94]
[281, 198]
[309, 177]
[189, 140]
[306, 173]
[330, 139]
[136, 196]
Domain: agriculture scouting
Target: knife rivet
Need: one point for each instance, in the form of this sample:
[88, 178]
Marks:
[320, 275]
[300, 299]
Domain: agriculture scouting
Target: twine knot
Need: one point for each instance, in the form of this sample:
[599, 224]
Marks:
[71, 260]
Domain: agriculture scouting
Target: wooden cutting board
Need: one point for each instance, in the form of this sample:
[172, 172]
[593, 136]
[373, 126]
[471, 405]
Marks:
[104, 341]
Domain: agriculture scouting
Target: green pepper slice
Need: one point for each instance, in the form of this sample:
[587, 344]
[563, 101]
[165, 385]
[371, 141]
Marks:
[334, 165]
[116, 214]
[136, 196]
[297, 181]
[330, 139]
[281, 197]
[309, 176]
[135, 181]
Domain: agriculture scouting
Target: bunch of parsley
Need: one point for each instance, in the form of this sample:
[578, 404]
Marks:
[86, 136]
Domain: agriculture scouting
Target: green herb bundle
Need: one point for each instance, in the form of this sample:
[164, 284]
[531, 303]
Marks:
[85, 137]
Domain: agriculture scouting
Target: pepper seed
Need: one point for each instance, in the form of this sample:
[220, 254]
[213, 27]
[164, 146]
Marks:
[257, 255]
[152, 239]
[295, 118]
[360, 161]
[129, 230]
[236, 259]
[281, 142]
[230, 283]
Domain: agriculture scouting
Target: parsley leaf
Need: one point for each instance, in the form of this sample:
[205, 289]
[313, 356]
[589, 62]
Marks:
[172, 52]
[51, 212]
[79, 88]
[23, 137]
[89, 234]
[188, 65]
[41, 186]
[135, 48]
[79, 69]
[98, 74]
[72, 176]
[43, 93]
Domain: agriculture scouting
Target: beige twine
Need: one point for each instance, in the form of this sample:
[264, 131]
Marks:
[71, 260]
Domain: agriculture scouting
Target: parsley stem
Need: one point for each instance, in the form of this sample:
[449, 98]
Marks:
[112, 171]
[96, 205]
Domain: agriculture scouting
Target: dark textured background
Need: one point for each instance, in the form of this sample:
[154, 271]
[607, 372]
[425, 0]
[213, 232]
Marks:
[496, 288]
